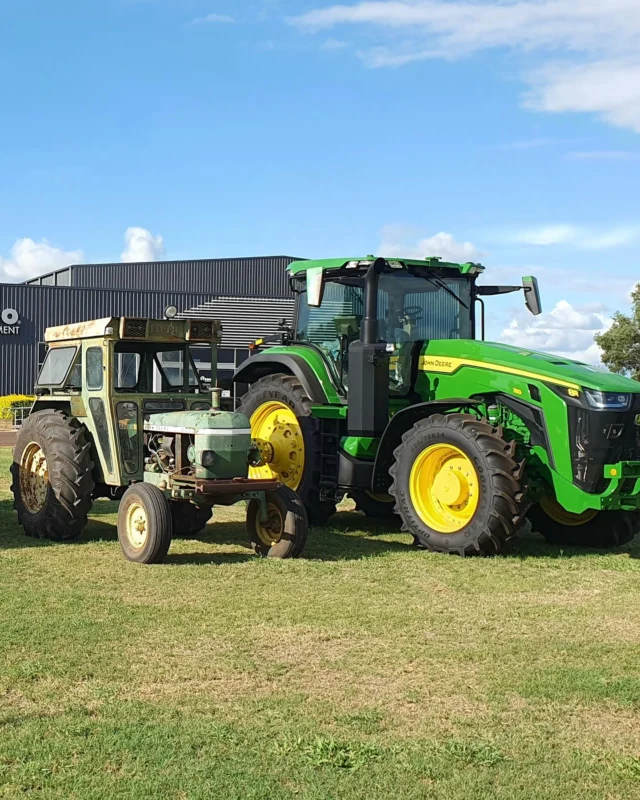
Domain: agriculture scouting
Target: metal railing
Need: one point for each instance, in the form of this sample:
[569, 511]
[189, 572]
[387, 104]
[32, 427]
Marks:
[19, 415]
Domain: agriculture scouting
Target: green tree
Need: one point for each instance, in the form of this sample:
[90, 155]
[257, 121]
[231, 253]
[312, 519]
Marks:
[621, 343]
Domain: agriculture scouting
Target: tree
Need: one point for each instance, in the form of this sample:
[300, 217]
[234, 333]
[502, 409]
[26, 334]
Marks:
[621, 343]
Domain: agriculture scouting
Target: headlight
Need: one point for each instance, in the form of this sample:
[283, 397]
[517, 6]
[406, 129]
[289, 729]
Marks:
[207, 458]
[605, 401]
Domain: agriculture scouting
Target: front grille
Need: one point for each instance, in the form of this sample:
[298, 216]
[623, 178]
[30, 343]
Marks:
[134, 328]
[599, 438]
[201, 329]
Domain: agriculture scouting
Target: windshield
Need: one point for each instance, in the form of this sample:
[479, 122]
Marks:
[142, 367]
[410, 309]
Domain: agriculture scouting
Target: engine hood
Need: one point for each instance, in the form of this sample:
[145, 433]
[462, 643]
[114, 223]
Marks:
[544, 366]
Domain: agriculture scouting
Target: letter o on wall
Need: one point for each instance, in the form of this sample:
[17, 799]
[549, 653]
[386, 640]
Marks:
[9, 316]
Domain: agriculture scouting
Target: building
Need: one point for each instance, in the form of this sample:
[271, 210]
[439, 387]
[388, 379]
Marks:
[249, 295]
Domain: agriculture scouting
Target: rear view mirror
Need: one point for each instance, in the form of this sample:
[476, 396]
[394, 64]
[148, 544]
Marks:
[315, 286]
[532, 295]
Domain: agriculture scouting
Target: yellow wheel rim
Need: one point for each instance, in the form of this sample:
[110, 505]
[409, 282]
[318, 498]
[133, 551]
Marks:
[34, 478]
[444, 488]
[277, 433]
[557, 513]
[137, 526]
[270, 532]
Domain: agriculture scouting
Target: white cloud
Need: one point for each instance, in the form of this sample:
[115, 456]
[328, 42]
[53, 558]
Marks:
[142, 245]
[212, 19]
[602, 39]
[576, 236]
[400, 240]
[566, 330]
[29, 258]
[609, 88]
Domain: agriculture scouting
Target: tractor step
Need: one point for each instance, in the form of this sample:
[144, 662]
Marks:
[329, 443]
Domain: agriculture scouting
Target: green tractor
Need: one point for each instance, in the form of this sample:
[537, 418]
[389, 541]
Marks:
[385, 390]
[120, 412]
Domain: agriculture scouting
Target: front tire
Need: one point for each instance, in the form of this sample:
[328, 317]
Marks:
[457, 485]
[289, 438]
[52, 475]
[145, 527]
[284, 533]
[599, 529]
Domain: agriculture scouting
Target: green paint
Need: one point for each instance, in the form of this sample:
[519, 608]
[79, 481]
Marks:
[360, 446]
[297, 267]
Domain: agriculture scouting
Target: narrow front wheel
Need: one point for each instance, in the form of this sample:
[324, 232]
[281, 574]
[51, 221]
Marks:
[283, 533]
[144, 524]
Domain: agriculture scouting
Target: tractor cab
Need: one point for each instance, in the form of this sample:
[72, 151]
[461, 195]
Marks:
[119, 371]
[416, 301]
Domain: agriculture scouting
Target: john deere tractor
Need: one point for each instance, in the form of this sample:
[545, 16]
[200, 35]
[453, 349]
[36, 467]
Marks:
[121, 412]
[384, 389]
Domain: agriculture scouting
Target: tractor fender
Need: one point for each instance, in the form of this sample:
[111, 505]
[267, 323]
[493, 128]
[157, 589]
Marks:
[399, 424]
[256, 367]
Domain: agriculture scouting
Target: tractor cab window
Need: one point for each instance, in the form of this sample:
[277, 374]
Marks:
[411, 310]
[153, 369]
[57, 365]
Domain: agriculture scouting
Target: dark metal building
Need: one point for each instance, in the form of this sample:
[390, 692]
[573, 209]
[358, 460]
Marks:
[249, 295]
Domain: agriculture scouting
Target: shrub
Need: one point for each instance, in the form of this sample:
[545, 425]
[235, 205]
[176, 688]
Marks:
[11, 401]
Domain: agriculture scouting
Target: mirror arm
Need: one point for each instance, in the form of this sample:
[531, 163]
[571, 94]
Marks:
[485, 291]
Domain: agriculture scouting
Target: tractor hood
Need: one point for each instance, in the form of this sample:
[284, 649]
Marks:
[448, 355]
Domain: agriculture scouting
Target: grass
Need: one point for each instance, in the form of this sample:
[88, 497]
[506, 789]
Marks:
[365, 670]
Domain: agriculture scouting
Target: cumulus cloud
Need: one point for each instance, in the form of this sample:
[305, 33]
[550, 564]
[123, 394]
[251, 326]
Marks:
[142, 245]
[401, 240]
[566, 330]
[602, 40]
[577, 236]
[29, 258]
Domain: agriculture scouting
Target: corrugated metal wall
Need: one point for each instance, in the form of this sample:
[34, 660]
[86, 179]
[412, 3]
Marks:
[244, 319]
[239, 277]
[40, 307]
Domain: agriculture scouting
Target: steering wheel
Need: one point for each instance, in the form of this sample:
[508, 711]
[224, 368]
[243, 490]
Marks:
[417, 312]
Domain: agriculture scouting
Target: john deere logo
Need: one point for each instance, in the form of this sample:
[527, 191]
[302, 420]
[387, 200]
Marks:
[10, 322]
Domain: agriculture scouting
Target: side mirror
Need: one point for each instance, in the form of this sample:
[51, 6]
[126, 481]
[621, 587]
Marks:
[532, 295]
[315, 286]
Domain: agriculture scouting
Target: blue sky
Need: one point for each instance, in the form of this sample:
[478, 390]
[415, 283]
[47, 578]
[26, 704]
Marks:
[502, 131]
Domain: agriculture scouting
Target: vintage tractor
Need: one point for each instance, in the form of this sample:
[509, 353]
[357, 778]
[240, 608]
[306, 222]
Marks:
[382, 390]
[120, 412]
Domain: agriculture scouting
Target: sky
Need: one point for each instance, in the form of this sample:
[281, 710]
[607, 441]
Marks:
[500, 131]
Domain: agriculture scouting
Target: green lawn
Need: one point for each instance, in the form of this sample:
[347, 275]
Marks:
[365, 670]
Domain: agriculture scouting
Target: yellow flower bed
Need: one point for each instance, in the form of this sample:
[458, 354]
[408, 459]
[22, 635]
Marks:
[11, 401]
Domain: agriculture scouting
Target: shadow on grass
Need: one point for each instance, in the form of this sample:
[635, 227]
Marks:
[348, 536]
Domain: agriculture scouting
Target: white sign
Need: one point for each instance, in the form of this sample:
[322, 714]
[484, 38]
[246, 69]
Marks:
[10, 322]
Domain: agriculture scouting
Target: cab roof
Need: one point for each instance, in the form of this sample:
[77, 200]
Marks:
[137, 329]
[468, 268]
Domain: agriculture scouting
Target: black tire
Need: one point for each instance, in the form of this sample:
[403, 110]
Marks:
[61, 514]
[606, 530]
[188, 519]
[288, 524]
[372, 507]
[499, 512]
[288, 390]
[155, 539]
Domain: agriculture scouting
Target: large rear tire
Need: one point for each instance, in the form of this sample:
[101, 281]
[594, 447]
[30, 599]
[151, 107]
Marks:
[598, 529]
[52, 475]
[284, 533]
[289, 437]
[457, 485]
